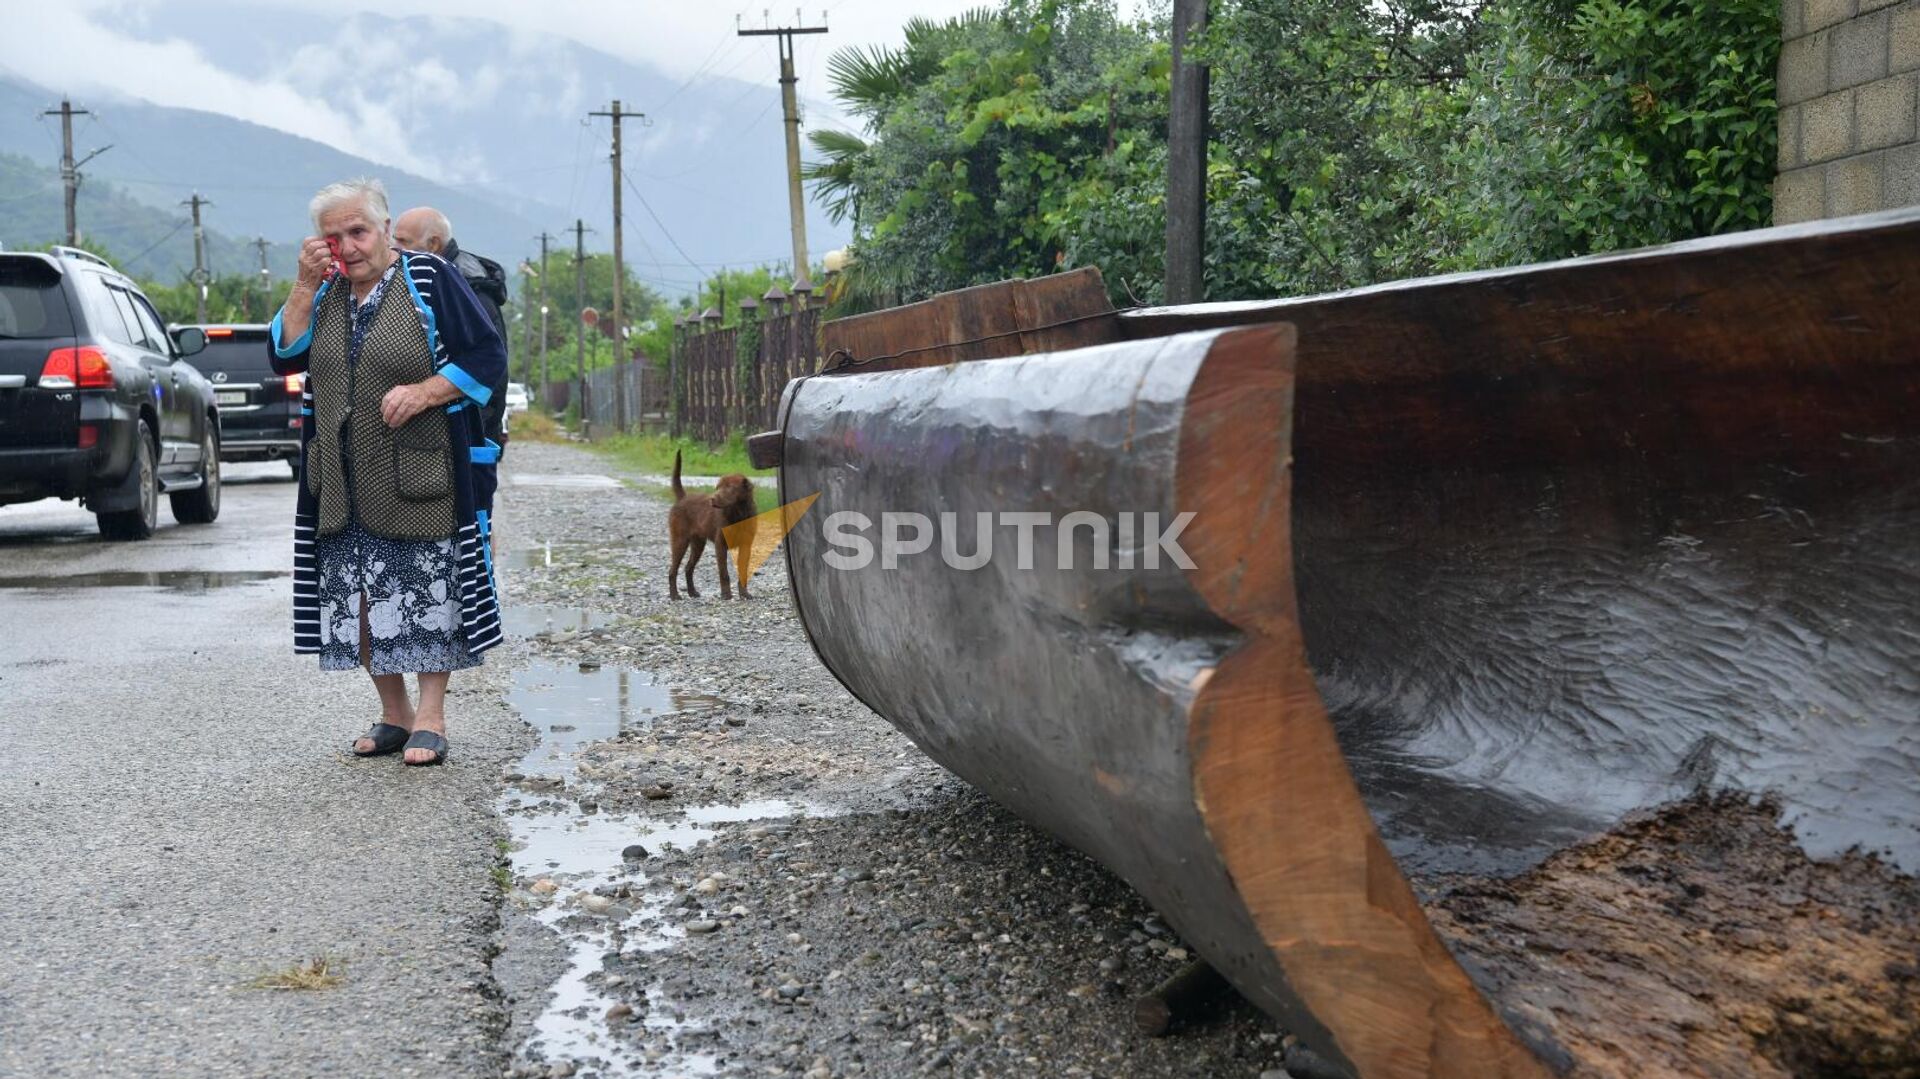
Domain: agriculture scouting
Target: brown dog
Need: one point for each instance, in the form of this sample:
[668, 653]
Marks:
[698, 520]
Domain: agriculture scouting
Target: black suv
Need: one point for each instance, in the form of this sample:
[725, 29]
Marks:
[96, 401]
[259, 410]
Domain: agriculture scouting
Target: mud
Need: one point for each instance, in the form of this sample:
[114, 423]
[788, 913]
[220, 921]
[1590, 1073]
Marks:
[1700, 940]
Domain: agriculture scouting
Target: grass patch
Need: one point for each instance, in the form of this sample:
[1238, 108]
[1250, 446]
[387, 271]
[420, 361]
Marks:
[765, 495]
[654, 453]
[319, 972]
[503, 877]
[535, 426]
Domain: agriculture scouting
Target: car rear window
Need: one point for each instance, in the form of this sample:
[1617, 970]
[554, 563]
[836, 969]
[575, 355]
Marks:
[31, 302]
[236, 355]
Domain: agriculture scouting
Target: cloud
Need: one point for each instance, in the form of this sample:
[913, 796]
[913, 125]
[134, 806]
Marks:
[43, 41]
[678, 38]
[369, 95]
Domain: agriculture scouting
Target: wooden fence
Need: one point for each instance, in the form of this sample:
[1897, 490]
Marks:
[720, 391]
[647, 397]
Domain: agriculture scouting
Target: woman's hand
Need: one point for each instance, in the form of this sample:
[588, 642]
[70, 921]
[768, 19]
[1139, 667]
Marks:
[315, 260]
[403, 403]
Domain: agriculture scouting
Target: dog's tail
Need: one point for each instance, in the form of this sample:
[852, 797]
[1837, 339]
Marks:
[679, 492]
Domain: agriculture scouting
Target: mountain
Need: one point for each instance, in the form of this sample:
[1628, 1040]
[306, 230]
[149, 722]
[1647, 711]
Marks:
[144, 241]
[494, 122]
[259, 179]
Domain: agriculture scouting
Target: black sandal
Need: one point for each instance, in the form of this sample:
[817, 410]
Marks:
[386, 737]
[428, 740]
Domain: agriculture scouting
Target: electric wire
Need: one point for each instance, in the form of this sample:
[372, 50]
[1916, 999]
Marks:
[151, 248]
[662, 224]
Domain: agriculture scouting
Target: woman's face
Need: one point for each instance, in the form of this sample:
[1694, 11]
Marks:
[365, 246]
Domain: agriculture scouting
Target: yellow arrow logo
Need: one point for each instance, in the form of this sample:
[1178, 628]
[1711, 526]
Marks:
[760, 535]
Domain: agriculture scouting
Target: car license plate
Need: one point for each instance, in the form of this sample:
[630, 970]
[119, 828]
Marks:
[230, 397]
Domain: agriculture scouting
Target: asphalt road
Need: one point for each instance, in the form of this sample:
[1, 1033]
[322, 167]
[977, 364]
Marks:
[178, 817]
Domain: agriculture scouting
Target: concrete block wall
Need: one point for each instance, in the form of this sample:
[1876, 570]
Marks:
[1849, 108]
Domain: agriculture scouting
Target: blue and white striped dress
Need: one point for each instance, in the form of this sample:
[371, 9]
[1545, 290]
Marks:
[431, 605]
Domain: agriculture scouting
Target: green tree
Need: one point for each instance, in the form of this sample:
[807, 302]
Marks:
[980, 130]
[645, 311]
[230, 298]
[1351, 143]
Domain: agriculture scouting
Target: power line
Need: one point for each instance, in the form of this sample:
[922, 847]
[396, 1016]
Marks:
[11, 199]
[155, 245]
[494, 178]
[725, 42]
[756, 260]
[663, 225]
[130, 147]
[718, 145]
[579, 154]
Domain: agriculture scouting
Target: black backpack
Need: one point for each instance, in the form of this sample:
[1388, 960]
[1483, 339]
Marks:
[489, 282]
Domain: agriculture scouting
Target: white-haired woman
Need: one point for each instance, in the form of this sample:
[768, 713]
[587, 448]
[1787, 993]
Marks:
[389, 573]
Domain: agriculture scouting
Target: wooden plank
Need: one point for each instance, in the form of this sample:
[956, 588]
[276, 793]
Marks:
[1007, 319]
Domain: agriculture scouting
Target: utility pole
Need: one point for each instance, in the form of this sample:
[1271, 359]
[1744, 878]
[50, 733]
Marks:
[526, 327]
[1187, 160]
[619, 272]
[790, 104]
[266, 276]
[546, 374]
[69, 168]
[580, 328]
[199, 275]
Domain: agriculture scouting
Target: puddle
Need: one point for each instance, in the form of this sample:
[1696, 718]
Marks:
[574, 703]
[182, 580]
[536, 620]
[562, 479]
[572, 708]
[665, 479]
[582, 854]
[527, 557]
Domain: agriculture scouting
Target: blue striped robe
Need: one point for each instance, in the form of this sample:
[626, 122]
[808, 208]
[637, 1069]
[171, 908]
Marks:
[470, 353]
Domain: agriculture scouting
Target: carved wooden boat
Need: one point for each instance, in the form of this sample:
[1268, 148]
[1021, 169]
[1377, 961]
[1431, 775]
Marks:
[1544, 693]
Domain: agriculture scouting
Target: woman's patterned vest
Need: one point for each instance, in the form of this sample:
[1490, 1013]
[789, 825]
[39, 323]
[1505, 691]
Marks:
[402, 477]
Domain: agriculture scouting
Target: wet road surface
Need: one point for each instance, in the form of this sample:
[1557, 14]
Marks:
[178, 818]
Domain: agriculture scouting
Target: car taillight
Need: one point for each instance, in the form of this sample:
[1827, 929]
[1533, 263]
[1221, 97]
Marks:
[294, 384]
[76, 368]
[89, 436]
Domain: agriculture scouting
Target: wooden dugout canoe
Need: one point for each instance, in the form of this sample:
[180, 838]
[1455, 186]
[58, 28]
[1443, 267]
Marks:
[1544, 693]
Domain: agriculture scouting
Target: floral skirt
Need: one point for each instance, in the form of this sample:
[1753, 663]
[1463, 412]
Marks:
[412, 596]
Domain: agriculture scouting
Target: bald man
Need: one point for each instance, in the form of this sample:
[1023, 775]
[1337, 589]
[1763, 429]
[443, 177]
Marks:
[424, 228]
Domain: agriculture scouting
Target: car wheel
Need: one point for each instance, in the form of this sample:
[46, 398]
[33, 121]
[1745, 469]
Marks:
[137, 523]
[293, 465]
[202, 504]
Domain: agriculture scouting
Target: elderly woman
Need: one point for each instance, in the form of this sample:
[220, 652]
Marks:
[389, 573]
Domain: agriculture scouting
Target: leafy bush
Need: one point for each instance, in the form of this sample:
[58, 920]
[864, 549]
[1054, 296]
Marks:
[1351, 143]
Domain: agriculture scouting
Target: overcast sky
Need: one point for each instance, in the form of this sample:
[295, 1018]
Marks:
[148, 49]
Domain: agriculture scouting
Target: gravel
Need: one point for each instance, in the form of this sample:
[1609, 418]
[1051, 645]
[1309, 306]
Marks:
[874, 916]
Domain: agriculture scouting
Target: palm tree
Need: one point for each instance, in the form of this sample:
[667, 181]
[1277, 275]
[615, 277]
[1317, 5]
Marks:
[834, 185]
[869, 82]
